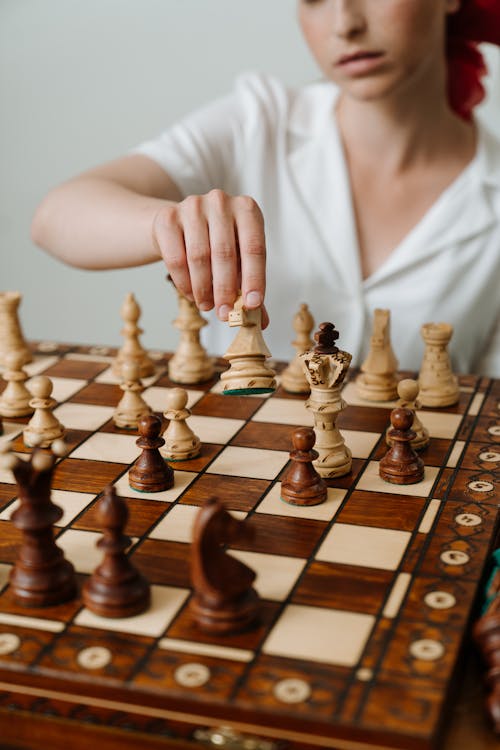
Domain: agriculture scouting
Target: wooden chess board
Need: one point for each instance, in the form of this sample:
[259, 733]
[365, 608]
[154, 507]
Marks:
[366, 599]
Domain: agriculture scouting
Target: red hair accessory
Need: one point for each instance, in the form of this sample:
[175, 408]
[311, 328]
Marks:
[476, 21]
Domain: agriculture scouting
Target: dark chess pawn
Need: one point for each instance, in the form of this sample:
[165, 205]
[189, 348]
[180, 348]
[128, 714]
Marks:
[401, 465]
[41, 576]
[150, 473]
[301, 484]
[116, 588]
[224, 599]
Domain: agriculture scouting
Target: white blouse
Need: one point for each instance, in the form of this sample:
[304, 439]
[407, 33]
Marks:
[283, 148]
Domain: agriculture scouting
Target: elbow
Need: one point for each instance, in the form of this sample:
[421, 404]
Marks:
[41, 224]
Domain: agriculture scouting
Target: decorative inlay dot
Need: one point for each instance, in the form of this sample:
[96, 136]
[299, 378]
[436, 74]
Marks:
[481, 486]
[9, 642]
[440, 600]
[47, 346]
[292, 690]
[427, 649]
[192, 675]
[364, 674]
[99, 351]
[494, 430]
[490, 456]
[94, 657]
[454, 557]
[468, 519]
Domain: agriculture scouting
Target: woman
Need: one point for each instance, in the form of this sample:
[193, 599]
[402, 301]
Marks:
[375, 191]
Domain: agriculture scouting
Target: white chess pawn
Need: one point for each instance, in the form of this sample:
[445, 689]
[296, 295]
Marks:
[190, 363]
[132, 349]
[131, 407]
[43, 427]
[15, 400]
[408, 394]
[293, 379]
[180, 441]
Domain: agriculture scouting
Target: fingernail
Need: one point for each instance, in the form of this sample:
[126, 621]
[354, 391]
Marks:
[223, 312]
[253, 299]
[204, 306]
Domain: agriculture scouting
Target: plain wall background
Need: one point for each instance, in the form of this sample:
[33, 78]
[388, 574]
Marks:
[81, 83]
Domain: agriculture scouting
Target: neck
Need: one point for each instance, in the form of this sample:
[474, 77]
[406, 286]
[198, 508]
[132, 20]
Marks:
[403, 129]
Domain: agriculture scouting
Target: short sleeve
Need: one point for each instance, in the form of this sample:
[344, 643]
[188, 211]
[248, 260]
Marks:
[218, 145]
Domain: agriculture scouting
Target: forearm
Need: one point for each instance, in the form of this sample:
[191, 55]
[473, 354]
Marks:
[96, 223]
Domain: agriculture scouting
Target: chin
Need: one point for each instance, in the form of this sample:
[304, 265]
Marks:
[367, 90]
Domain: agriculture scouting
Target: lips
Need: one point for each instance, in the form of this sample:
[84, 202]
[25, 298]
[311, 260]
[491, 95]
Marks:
[359, 55]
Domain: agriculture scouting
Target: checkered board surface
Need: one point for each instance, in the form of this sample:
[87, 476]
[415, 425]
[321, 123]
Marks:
[366, 599]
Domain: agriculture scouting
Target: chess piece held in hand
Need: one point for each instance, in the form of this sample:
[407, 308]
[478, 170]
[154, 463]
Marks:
[150, 473]
[301, 484]
[224, 599]
[401, 465]
[41, 577]
[248, 373]
[116, 588]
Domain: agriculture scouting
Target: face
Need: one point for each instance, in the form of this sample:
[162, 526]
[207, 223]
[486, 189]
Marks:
[371, 48]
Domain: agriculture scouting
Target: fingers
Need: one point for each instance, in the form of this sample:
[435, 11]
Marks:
[224, 253]
[252, 245]
[214, 245]
[168, 237]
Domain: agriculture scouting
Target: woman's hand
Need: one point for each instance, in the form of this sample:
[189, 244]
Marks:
[214, 246]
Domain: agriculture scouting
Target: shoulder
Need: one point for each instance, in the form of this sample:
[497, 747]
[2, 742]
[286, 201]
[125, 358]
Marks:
[267, 100]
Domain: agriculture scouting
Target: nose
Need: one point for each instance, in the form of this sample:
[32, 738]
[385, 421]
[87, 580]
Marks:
[348, 18]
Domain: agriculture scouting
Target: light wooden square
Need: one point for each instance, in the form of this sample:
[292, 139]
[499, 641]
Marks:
[182, 479]
[40, 363]
[257, 463]
[165, 603]
[109, 377]
[284, 411]
[327, 636]
[360, 443]
[83, 416]
[351, 396]
[276, 574]
[79, 548]
[440, 424]
[178, 523]
[366, 546]
[156, 397]
[274, 505]
[215, 429]
[371, 480]
[108, 447]
[63, 388]
[72, 504]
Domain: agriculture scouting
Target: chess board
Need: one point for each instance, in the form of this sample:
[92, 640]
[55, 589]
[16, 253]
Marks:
[366, 599]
